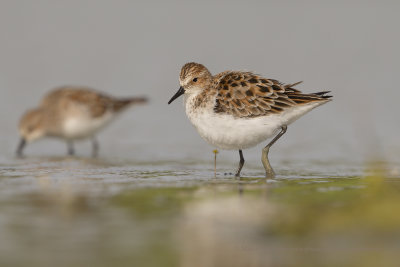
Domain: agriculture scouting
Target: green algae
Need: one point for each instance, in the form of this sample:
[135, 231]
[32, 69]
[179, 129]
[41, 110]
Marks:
[106, 215]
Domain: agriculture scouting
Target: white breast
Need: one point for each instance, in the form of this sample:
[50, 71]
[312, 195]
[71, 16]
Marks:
[78, 127]
[226, 132]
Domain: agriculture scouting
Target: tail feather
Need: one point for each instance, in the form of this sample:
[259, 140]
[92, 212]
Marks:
[301, 98]
[323, 94]
[123, 103]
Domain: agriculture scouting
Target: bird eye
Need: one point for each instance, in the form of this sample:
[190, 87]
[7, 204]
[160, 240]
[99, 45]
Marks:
[195, 79]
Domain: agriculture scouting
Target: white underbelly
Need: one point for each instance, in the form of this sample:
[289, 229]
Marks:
[227, 132]
[79, 127]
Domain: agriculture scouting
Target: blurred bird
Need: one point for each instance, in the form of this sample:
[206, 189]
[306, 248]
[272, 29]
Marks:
[72, 113]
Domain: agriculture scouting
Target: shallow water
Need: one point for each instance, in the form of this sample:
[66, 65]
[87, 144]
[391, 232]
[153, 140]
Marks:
[82, 211]
[151, 198]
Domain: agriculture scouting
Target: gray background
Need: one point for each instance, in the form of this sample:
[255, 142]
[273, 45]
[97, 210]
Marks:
[137, 48]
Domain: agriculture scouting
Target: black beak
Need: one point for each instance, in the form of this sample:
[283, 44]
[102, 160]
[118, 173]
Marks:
[21, 146]
[180, 92]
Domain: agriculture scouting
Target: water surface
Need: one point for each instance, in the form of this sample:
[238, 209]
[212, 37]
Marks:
[83, 211]
[151, 198]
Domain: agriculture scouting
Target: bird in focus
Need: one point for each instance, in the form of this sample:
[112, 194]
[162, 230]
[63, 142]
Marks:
[235, 110]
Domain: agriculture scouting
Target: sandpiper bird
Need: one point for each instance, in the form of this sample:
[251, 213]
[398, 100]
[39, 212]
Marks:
[71, 113]
[238, 110]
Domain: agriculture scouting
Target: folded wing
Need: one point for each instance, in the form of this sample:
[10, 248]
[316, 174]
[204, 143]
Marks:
[245, 94]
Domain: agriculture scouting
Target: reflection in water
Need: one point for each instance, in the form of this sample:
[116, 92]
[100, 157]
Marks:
[294, 224]
[69, 211]
[151, 199]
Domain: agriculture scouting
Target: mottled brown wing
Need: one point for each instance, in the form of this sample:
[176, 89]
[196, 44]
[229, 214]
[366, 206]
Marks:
[97, 103]
[244, 94]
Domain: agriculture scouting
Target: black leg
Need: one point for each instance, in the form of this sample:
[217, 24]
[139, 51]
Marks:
[269, 172]
[241, 163]
[95, 147]
[70, 146]
[20, 148]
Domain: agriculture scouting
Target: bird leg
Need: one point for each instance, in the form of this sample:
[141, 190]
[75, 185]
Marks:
[70, 146]
[269, 172]
[95, 147]
[241, 163]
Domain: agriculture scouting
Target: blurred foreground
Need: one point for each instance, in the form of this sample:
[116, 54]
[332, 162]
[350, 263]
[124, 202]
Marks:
[70, 212]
